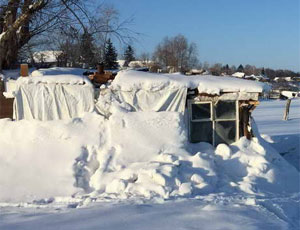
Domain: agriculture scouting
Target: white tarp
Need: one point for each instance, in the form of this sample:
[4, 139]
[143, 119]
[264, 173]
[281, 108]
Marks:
[129, 80]
[52, 101]
[168, 92]
[166, 99]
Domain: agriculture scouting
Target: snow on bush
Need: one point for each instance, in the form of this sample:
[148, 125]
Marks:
[131, 154]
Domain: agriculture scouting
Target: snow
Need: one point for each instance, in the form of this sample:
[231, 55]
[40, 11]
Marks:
[129, 80]
[58, 71]
[46, 56]
[10, 88]
[131, 160]
[136, 170]
[55, 79]
[14, 74]
[56, 75]
[238, 74]
[2, 35]
[121, 62]
[282, 135]
[258, 78]
[290, 94]
[185, 214]
[38, 163]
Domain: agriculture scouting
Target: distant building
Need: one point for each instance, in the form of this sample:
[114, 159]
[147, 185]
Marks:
[195, 72]
[238, 74]
[46, 58]
[136, 64]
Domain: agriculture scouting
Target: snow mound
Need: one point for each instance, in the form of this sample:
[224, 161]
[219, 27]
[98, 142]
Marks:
[132, 154]
[37, 159]
[148, 156]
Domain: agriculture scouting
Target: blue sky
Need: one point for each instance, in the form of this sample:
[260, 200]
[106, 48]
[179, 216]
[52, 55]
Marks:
[264, 33]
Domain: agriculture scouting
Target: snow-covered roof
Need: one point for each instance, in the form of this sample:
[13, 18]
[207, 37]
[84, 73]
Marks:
[257, 77]
[56, 75]
[238, 74]
[129, 80]
[135, 63]
[290, 94]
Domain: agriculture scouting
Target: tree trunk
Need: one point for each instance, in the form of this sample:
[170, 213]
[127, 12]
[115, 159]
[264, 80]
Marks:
[11, 40]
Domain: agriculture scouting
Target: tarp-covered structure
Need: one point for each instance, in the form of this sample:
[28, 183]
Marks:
[52, 94]
[168, 92]
[217, 107]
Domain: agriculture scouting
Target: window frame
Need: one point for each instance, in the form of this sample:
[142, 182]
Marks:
[213, 118]
[204, 119]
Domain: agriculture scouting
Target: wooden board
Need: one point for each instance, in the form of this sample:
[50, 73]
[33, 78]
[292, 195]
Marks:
[6, 104]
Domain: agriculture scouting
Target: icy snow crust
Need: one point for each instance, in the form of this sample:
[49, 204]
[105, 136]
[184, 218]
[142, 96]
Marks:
[132, 154]
[129, 80]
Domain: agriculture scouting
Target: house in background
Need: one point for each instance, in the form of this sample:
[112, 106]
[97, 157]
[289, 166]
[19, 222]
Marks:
[239, 74]
[46, 58]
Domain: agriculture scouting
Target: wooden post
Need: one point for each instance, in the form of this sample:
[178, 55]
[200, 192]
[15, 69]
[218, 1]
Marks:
[24, 70]
[287, 109]
[246, 110]
[100, 68]
[245, 122]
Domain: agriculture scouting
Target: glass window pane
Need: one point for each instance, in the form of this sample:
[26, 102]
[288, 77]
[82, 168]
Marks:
[225, 110]
[225, 132]
[201, 132]
[201, 111]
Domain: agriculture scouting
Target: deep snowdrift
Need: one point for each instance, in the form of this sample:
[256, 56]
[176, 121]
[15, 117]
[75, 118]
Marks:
[135, 154]
[37, 158]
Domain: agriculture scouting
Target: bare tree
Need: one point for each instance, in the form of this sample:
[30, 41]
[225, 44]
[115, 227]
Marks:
[206, 65]
[105, 24]
[251, 69]
[21, 20]
[176, 53]
[145, 58]
[216, 69]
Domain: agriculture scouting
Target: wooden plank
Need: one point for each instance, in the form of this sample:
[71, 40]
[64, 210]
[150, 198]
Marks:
[6, 104]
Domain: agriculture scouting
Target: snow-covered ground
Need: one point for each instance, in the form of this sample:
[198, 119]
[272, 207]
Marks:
[282, 135]
[247, 185]
[212, 213]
